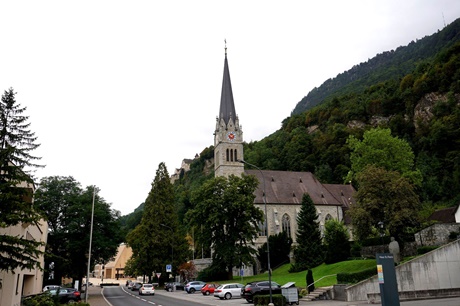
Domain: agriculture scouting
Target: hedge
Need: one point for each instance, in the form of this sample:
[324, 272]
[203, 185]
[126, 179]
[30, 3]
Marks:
[352, 278]
[264, 300]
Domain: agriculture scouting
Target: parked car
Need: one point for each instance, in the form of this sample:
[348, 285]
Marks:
[191, 287]
[136, 286]
[174, 286]
[66, 295]
[209, 289]
[147, 289]
[50, 287]
[228, 291]
[260, 287]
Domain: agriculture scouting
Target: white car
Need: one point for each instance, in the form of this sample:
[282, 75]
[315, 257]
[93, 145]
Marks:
[147, 289]
[228, 291]
[50, 287]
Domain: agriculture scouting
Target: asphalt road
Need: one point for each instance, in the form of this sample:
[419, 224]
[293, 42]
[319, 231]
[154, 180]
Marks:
[120, 296]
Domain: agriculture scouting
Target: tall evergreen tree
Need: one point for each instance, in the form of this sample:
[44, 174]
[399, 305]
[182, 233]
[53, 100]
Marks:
[158, 240]
[309, 251]
[17, 142]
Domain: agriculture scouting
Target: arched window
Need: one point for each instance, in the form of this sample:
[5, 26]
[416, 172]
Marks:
[328, 217]
[263, 228]
[286, 222]
[228, 155]
[231, 154]
[236, 157]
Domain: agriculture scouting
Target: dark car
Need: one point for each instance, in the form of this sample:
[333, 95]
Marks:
[66, 295]
[136, 286]
[259, 288]
[174, 286]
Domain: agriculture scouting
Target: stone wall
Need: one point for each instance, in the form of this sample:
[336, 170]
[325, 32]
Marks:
[437, 234]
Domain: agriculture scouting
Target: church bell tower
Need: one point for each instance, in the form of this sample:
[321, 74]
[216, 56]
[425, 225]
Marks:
[228, 136]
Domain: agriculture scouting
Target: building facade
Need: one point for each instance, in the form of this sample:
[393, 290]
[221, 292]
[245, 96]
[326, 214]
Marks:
[20, 283]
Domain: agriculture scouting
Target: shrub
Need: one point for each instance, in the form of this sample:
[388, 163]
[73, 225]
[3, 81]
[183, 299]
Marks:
[352, 278]
[212, 272]
[425, 249]
[263, 300]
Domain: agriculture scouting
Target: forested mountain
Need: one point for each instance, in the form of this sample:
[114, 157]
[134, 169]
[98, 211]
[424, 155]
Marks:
[388, 65]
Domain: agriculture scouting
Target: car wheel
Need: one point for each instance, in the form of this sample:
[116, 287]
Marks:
[228, 296]
[192, 290]
[207, 292]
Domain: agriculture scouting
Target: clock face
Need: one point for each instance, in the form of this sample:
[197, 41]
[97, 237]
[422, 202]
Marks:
[231, 136]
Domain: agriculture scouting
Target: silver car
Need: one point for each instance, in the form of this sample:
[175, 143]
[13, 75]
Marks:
[228, 291]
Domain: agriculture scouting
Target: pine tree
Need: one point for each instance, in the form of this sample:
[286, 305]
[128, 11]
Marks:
[158, 239]
[309, 251]
[16, 184]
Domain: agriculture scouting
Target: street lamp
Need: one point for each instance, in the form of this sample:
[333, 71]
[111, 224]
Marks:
[266, 229]
[172, 246]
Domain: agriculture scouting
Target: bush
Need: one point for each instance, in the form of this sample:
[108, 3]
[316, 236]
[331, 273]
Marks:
[264, 300]
[425, 249]
[352, 278]
[212, 272]
[376, 241]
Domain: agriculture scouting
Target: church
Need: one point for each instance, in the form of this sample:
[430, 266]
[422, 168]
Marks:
[283, 189]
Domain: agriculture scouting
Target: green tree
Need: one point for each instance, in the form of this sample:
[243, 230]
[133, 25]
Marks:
[68, 210]
[336, 241]
[225, 209]
[383, 196]
[17, 142]
[280, 248]
[309, 251]
[381, 149]
[158, 240]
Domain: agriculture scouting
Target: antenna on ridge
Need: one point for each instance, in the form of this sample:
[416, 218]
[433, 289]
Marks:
[443, 20]
[225, 40]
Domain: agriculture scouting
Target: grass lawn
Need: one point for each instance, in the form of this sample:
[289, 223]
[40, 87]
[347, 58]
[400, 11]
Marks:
[282, 276]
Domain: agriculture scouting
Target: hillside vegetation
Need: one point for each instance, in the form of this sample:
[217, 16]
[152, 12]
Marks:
[388, 65]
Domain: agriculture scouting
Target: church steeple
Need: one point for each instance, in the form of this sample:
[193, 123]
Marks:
[227, 105]
[228, 137]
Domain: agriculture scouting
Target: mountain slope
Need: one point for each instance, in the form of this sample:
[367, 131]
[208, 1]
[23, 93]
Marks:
[388, 65]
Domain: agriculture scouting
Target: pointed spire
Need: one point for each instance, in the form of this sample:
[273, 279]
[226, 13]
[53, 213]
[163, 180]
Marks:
[227, 106]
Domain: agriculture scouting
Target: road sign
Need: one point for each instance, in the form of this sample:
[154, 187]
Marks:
[158, 275]
[169, 268]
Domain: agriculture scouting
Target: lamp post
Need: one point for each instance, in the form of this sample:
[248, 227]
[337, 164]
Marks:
[89, 251]
[172, 247]
[382, 233]
[266, 229]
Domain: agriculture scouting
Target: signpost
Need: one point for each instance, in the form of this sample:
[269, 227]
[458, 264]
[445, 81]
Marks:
[387, 279]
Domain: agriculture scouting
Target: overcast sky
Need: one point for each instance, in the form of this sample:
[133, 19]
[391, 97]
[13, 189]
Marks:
[113, 88]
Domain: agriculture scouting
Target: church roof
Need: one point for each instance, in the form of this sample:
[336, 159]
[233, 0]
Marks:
[446, 215]
[227, 106]
[287, 187]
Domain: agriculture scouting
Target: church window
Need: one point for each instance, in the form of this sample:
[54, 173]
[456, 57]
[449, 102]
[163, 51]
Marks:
[328, 217]
[263, 228]
[228, 157]
[286, 223]
[231, 155]
[236, 157]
